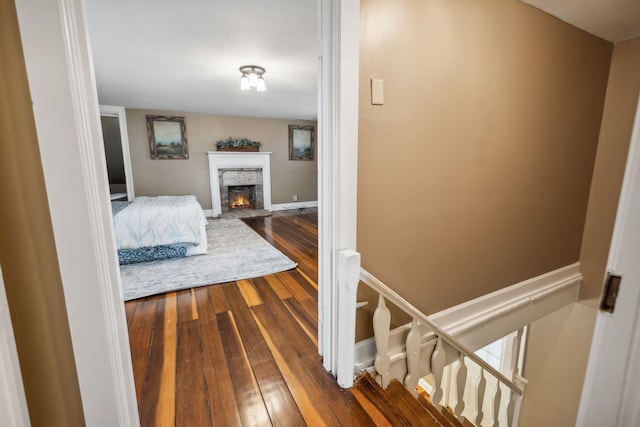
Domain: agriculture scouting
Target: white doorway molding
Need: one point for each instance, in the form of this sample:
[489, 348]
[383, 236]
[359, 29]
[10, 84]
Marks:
[338, 167]
[67, 117]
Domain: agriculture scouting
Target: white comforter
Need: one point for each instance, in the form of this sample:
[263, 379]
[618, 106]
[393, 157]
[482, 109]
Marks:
[162, 220]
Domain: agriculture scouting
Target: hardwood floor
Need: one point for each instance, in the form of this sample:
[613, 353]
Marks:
[242, 353]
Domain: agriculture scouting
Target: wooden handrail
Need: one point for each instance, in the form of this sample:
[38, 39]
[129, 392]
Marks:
[392, 296]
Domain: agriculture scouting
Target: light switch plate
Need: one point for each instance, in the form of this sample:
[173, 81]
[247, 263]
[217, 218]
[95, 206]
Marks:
[377, 92]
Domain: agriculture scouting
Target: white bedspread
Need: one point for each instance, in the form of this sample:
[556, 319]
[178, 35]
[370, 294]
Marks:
[162, 220]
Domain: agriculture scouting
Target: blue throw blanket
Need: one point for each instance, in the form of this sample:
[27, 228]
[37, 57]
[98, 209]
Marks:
[132, 256]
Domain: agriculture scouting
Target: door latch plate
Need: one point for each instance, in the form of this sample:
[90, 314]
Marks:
[610, 292]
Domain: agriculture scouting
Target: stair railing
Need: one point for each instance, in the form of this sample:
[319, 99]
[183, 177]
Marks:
[447, 349]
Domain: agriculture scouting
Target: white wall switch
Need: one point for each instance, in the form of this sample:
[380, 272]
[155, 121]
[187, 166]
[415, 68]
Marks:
[295, 197]
[377, 92]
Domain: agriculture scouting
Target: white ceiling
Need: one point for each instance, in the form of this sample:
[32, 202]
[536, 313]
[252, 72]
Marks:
[612, 20]
[184, 55]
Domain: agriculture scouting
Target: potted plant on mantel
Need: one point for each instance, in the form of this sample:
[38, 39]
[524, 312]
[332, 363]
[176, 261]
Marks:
[238, 144]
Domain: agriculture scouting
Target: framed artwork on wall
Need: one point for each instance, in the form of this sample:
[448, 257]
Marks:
[167, 137]
[301, 142]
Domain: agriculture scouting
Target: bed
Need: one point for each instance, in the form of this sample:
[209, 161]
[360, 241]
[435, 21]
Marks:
[153, 228]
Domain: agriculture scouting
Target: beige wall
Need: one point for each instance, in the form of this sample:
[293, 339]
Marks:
[555, 364]
[615, 135]
[475, 173]
[559, 344]
[175, 177]
[27, 249]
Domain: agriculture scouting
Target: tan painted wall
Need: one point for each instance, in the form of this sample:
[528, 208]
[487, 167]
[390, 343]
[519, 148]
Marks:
[475, 173]
[556, 359]
[615, 136]
[559, 344]
[27, 249]
[175, 177]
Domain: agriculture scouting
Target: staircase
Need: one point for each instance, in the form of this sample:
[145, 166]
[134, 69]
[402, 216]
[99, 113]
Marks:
[407, 354]
[397, 407]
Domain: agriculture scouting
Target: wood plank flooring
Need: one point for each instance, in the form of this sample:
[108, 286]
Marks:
[242, 353]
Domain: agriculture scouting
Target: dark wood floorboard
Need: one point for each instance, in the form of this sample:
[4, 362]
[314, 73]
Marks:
[242, 353]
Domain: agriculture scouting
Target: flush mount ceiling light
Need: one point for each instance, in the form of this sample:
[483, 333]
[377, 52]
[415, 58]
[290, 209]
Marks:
[252, 78]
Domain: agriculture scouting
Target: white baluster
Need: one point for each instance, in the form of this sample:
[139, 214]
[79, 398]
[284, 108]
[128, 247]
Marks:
[482, 384]
[461, 381]
[437, 366]
[496, 404]
[381, 325]
[510, 408]
[515, 358]
[413, 356]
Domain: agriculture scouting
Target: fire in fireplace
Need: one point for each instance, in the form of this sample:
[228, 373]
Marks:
[242, 196]
[240, 202]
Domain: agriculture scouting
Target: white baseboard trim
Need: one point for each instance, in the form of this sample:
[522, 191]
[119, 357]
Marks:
[483, 320]
[281, 207]
[295, 205]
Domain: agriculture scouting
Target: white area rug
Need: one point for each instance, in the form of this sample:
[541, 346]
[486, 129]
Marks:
[235, 252]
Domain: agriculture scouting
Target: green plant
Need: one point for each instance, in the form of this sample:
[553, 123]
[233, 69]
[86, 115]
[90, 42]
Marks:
[238, 142]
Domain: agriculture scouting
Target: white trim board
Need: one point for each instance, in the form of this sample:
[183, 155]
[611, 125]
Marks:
[295, 205]
[67, 118]
[483, 320]
[339, 24]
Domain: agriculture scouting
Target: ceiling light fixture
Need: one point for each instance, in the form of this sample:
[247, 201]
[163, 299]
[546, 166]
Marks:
[252, 78]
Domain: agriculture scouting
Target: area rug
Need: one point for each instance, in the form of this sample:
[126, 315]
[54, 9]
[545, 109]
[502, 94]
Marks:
[235, 252]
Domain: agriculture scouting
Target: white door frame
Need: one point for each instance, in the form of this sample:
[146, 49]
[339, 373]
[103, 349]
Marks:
[66, 112]
[121, 115]
[67, 118]
[611, 390]
[337, 163]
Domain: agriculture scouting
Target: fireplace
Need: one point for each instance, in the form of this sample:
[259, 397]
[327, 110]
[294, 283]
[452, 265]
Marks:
[242, 197]
[240, 188]
[234, 174]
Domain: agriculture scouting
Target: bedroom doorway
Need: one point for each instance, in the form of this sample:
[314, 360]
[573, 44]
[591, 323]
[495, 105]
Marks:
[63, 87]
[116, 147]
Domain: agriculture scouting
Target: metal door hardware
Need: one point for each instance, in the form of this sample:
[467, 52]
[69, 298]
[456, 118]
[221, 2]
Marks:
[610, 292]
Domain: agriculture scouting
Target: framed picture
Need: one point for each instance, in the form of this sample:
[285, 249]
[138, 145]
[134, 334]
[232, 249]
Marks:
[301, 142]
[167, 137]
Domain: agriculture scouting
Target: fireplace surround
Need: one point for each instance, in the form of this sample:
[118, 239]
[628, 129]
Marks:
[239, 168]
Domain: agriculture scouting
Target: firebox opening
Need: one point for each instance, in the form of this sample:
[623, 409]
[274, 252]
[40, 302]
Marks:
[242, 197]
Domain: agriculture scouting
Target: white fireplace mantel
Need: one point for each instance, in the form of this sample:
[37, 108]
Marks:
[232, 160]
